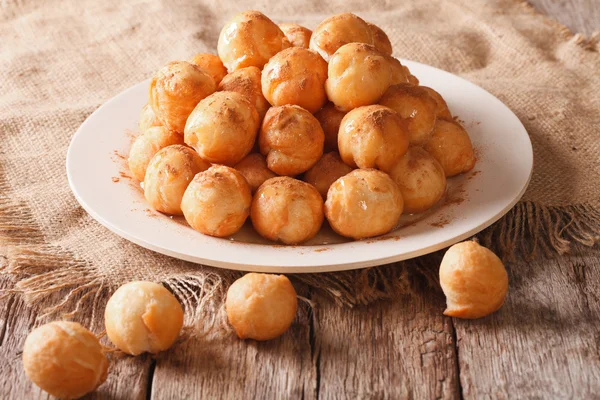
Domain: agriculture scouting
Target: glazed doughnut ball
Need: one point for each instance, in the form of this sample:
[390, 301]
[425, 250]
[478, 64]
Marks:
[148, 119]
[372, 137]
[168, 175]
[359, 75]
[451, 146]
[143, 317]
[363, 203]
[295, 76]
[330, 119]
[421, 180]
[217, 201]
[297, 35]
[338, 30]
[254, 168]
[212, 64]
[176, 89]
[222, 128]
[416, 106]
[250, 39]
[380, 39]
[411, 78]
[291, 139]
[246, 81]
[326, 171]
[261, 306]
[441, 109]
[400, 73]
[473, 279]
[287, 210]
[147, 145]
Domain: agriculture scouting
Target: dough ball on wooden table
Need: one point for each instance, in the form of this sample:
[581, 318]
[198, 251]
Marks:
[380, 39]
[176, 89]
[363, 203]
[246, 81]
[451, 146]
[211, 64]
[147, 145]
[64, 359]
[143, 317]
[168, 175]
[330, 119]
[441, 110]
[254, 168]
[148, 119]
[297, 35]
[287, 210]
[326, 171]
[295, 76]
[338, 30]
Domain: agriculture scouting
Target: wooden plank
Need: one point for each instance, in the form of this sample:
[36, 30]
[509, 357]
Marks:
[580, 16]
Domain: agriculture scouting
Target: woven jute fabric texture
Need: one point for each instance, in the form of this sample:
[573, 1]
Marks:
[60, 60]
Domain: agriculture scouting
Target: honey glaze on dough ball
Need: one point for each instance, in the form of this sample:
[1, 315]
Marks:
[297, 35]
[176, 89]
[291, 139]
[326, 171]
[473, 279]
[380, 39]
[441, 110]
[217, 201]
[372, 137]
[147, 145]
[254, 168]
[64, 359]
[287, 210]
[421, 180]
[363, 203]
[359, 75]
[295, 76]
[168, 175]
[330, 119]
[261, 306]
[212, 64]
[451, 146]
[222, 128]
[148, 119]
[246, 81]
[250, 39]
[338, 30]
[143, 317]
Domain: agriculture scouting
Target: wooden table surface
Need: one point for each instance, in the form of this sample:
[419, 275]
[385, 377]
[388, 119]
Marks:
[544, 343]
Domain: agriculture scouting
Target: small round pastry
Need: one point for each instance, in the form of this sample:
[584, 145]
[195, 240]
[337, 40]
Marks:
[217, 201]
[147, 145]
[250, 39]
[441, 110]
[297, 35]
[330, 119]
[421, 180]
[380, 39]
[261, 306]
[246, 81]
[451, 146]
[291, 139]
[168, 175]
[372, 137]
[212, 64]
[254, 168]
[400, 74]
[363, 203]
[64, 359]
[359, 75]
[326, 171]
[414, 104]
[473, 279]
[176, 89]
[143, 317]
[148, 119]
[411, 78]
[295, 76]
[222, 128]
[338, 30]
[287, 210]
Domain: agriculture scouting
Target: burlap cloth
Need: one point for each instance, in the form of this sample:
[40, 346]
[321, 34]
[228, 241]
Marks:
[60, 60]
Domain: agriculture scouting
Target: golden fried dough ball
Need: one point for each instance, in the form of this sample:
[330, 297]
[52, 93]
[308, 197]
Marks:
[287, 210]
[363, 203]
[148, 119]
[261, 306]
[400, 73]
[297, 35]
[143, 317]
[338, 30]
[441, 110]
[414, 104]
[451, 146]
[330, 119]
[380, 39]
[326, 171]
[372, 137]
[295, 76]
[222, 128]
[217, 201]
[421, 180]
[473, 279]
[250, 39]
[411, 78]
[246, 81]
[145, 147]
[291, 139]
[176, 89]
[359, 75]
[212, 64]
[254, 168]
[168, 175]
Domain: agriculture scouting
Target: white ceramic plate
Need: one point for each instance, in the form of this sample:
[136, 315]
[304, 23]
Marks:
[99, 179]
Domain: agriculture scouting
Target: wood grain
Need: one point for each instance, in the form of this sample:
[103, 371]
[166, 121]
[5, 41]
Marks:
[580, 16]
